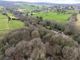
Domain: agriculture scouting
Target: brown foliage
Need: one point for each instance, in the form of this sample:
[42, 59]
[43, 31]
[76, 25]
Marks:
[38, 44]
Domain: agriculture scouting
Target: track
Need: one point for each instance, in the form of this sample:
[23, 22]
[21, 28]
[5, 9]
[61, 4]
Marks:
[77, 23]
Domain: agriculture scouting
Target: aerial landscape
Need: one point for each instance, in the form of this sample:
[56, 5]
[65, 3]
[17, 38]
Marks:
[39, 29]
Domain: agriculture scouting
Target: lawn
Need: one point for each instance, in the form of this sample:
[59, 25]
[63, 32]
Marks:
[6, 26]
[62, 18]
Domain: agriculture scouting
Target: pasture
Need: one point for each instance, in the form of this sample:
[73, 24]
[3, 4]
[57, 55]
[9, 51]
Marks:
[62, 18]
[5, 26]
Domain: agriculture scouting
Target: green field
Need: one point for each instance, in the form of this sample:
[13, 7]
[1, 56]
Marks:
[62, 18]
[6, 26]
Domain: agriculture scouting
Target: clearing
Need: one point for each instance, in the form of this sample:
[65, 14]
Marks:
[62, 18]
[5, 26]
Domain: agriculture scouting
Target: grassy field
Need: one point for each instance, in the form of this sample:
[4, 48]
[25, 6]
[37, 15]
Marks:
[5, 26]
[62, 18]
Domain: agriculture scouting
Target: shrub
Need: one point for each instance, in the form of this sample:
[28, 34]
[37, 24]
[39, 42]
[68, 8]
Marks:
[76, 37]
[38, 44]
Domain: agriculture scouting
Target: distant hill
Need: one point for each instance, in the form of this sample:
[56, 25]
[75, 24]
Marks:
[13, 4]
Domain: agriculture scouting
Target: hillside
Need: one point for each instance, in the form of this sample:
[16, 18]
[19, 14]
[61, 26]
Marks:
[39, 31]
[17, 4]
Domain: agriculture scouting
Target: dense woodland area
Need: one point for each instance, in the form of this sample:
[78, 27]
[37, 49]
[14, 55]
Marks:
[48, 32]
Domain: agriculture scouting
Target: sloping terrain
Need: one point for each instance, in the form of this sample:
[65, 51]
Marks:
[39, 40]
[35, 42]
[38, 44]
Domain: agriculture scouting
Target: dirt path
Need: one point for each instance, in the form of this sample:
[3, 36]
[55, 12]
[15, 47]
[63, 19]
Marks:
[77, 23]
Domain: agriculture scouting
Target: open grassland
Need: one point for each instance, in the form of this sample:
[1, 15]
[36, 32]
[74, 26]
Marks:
[62, 18]
[5, 26]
